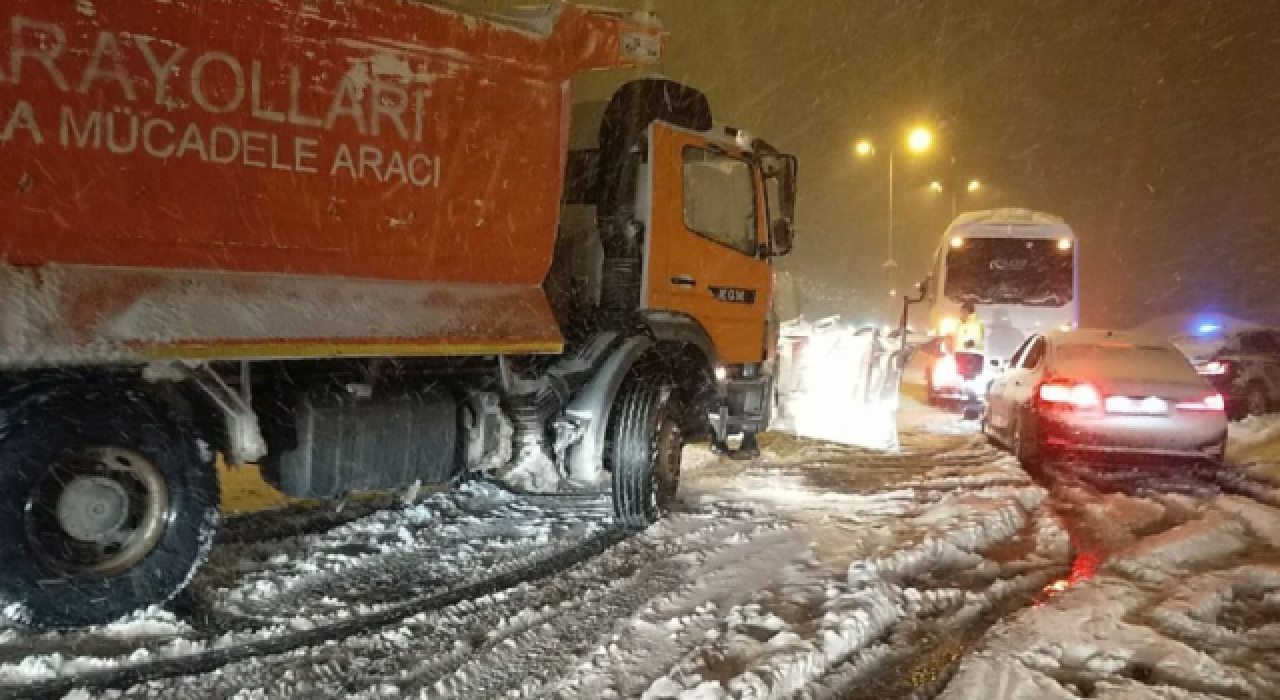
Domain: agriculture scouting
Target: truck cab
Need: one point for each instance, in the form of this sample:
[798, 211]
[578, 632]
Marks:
[683, 220]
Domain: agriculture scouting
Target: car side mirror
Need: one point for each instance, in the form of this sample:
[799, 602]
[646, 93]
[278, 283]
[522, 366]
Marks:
[782, 238]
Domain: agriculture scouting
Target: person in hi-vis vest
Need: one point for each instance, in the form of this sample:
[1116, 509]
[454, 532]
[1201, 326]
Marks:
[970, 334]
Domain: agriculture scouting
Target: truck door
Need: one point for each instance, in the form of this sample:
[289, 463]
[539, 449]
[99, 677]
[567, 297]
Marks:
[706, 252]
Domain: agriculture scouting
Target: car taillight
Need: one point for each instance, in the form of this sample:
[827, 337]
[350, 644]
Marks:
[945, 372]
[1073, 394]
[1214, 402]
[1215, 368]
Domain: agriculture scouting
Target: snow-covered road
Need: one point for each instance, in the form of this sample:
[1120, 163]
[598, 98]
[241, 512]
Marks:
[816, 571]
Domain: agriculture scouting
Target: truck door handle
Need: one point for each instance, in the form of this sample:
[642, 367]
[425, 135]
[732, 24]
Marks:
[684, 281]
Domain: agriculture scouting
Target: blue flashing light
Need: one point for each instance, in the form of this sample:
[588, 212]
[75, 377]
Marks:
[1208, 328]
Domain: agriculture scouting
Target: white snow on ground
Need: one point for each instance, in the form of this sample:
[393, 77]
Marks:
[1254, 431]
[819, 570]
[1254, 444]
[271, 587]
[1189, 611]
[776, 576]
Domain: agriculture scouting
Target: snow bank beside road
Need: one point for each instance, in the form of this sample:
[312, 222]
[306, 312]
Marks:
[1254, 445]
[1253, 431]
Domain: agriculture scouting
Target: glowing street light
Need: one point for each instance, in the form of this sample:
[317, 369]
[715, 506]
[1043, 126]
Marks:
[972, 187]
[919, 140]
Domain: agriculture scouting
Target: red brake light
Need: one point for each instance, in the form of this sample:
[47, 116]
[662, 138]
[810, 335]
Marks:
[945, 371]
[1213, 402]
[1077, 395]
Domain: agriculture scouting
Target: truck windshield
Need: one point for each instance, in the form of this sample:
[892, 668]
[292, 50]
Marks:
[1028, 272]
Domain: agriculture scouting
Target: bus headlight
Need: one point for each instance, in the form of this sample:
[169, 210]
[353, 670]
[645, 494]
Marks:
[948, 325]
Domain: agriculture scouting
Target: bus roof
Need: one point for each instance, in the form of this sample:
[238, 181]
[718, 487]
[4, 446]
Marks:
[1008, 223]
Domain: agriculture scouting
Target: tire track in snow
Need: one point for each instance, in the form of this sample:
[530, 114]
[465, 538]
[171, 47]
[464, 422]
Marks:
[496, 642]
[1186, 561]
[186, 651]
[758, 649]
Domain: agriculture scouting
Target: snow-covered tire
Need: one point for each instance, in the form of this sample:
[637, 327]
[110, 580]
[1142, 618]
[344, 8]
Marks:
[109, 504]
[985, 427]
[644, 450]
[1024, 445]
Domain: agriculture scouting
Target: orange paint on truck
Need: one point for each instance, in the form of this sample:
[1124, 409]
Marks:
[737, 328]
[370, 141]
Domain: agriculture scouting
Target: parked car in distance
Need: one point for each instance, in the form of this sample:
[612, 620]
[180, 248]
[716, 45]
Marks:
[1101, 393]
[1246, 371]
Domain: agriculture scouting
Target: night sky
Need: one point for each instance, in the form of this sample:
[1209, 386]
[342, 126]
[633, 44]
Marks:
[1151, 126]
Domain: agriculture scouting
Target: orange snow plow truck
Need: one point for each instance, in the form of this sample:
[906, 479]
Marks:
[365, 246]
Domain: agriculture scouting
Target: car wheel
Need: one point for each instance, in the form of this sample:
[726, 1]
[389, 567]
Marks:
[1219, 454]
[109, 505]
[645, 450]
[1257, 401]
[1023, 444]
[985, 427]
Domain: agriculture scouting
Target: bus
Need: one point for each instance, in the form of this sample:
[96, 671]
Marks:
[1019, 269]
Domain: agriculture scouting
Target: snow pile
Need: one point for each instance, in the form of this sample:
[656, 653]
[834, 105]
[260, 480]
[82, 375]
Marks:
[1253, 431]
[1254, 444]
[1138, 627]
[803, 625]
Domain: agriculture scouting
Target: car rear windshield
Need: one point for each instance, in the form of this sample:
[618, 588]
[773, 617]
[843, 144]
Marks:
[1120, 361]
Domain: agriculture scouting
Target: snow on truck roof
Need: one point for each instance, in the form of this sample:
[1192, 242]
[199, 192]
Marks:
[1011, 223]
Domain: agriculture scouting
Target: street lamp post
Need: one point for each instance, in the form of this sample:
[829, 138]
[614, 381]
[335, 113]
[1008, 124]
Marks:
[971, 187]
[889, 262]
[918, 140]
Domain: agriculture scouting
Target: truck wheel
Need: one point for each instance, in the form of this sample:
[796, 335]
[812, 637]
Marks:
[109, 504]
[645, 446]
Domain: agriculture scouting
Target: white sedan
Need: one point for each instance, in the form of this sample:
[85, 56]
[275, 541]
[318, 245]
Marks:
[1104, 392]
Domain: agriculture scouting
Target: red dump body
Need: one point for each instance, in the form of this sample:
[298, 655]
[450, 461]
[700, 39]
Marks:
[266, 178]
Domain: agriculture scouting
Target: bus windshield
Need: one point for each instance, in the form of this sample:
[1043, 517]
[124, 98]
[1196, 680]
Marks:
[1027, 272]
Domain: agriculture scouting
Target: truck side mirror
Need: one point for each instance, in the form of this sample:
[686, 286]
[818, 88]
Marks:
[787, 189]
[779, 171]
[781, 238]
